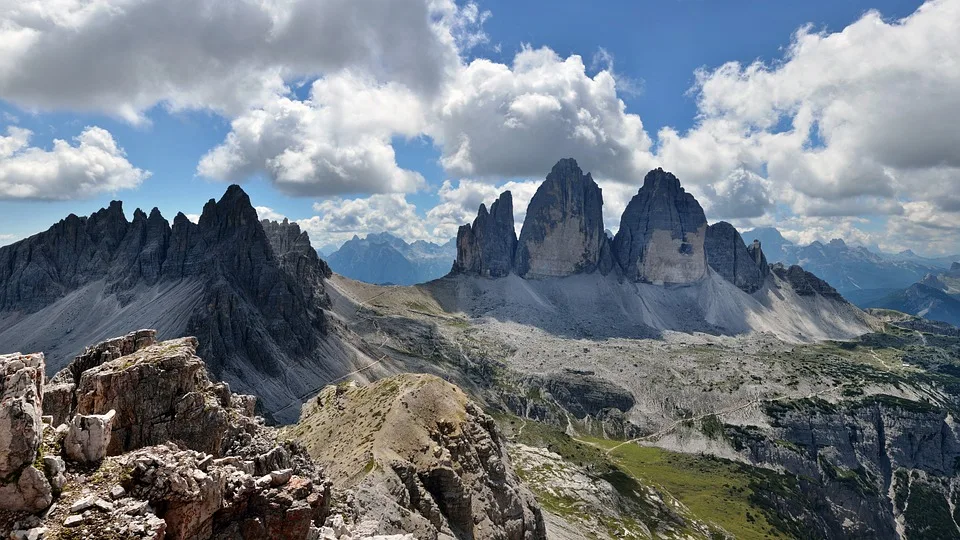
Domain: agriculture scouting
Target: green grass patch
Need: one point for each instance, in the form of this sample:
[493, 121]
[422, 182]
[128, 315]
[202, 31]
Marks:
[715, 490]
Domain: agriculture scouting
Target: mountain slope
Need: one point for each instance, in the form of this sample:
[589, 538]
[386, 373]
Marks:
[665, 270]
[252, 292]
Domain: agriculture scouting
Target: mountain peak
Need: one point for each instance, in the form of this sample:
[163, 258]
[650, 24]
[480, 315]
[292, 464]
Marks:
[234, 209]
[566, 167]
[658, 179]
[487, 247]
[562, 232]
[662, 233]
[837, 243]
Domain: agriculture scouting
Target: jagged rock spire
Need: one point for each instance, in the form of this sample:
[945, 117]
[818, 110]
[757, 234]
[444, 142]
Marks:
[487, 247]
[563, 230]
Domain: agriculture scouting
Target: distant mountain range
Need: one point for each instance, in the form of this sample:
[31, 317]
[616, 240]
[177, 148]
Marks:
[386, 259]
[935, 297]
[861, 274]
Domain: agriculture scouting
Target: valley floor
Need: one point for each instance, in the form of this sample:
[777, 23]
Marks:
[718, 433]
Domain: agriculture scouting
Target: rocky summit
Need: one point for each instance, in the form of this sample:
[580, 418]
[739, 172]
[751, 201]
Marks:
[662, 233]
[133, 440]
[422, 458]
[563, 233]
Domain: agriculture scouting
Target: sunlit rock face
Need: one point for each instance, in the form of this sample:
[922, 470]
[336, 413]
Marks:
[662, 233]
[562, 233]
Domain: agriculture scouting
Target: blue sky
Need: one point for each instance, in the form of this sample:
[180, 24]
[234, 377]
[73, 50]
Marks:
[168, 119]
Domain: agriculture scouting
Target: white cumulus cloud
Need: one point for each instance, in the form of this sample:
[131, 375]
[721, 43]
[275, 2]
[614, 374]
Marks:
[123, 57]
[337, 141]
[93, 164]
[517, 121]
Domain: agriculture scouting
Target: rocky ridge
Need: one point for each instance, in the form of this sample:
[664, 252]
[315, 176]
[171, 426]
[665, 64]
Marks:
[487, 248]
[252, 291]
[421, 458]
[804, 283]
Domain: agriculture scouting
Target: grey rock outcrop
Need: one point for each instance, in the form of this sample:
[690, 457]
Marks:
[662, 233]
[59, 399]
[732, 259]
[166, 383]
[583, 394]
[22, 486]
[298, 258]
[865, 455]
[183, 459]
[804, 283]
[488, 247]
[562, 232]
[756, 253]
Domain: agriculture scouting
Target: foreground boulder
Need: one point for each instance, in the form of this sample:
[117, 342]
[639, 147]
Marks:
[422, 459]
[23, 486]
[88, 437]
[153, 448]
[563, 230]
[662, 233]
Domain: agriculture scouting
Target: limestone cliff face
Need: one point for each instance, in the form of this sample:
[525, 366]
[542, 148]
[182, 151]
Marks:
[662, 233]
[487, 248]
[298, 258]
[730, 257]
[563, 233]
[868, 462]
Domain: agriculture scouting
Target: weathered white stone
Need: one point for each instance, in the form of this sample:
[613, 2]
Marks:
[21, 427]
[88, 437]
